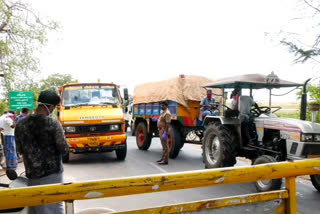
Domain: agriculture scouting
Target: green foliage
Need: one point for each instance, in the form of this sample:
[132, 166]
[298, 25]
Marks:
[314, 93]
[294, 115]
[22, 34]
[4, 106]
[51, 82]
[55, 80]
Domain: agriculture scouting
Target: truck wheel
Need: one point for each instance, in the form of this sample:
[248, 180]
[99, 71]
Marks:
[267, 185]
[218, 146]
[143, 138]
[66, 157]
[133, 132]
[315, 179]
[174, 141]
[122, 153]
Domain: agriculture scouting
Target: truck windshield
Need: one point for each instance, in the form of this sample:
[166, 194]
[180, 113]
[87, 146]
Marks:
[79, 95]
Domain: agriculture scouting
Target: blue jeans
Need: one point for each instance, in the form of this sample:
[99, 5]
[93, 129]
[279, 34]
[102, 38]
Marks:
[210, 113]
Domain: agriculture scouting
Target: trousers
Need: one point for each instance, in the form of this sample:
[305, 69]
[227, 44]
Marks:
[165, 146]
[57, 208]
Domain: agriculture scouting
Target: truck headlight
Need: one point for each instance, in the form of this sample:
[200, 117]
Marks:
[306, 137]
[317, 137]
[114, 127]
[70, 129]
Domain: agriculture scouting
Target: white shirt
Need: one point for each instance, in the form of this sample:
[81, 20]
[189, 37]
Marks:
[2, 120]
[245, 104]
[7, 130]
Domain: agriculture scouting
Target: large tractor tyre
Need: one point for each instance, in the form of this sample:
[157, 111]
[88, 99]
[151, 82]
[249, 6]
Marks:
[267, 185]
[122, 153]
[66, 157]
[218, 146]
[315, 179]
[174, 141]
[143, 138]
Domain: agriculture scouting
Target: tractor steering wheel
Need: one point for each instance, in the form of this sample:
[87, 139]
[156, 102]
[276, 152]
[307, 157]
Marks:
[265, 109]
[255, 112]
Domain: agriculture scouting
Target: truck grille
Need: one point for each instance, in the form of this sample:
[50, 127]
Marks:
[89, 129]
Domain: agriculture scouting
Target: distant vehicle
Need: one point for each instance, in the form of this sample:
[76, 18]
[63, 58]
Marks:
[274, 138]
[128, 117]
[184, 95]
[92, 117]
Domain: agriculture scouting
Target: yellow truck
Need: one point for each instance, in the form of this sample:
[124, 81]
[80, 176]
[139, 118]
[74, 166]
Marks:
[92, 117]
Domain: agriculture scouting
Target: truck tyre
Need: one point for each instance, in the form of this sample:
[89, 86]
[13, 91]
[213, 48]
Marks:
[66, 157]
[143, 138]
[122, 153]
[218, 146]
[174, 141]
[315, 179]
[267, 185]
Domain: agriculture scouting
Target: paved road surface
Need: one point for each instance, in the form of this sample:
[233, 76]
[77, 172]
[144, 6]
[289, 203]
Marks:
[84, 167]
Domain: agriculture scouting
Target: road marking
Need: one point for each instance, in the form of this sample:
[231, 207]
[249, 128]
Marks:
[156, 166]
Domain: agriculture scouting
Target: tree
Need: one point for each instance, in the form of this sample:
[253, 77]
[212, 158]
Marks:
[314, 92]
[53, 82]
[305, 45]
[22, 34]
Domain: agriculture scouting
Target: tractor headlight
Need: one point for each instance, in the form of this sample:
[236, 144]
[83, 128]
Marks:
[70, 129]
[114, 127]
[317, 137]
[306, 137]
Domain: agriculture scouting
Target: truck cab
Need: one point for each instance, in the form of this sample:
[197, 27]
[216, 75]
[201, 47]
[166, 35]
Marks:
[92, 117]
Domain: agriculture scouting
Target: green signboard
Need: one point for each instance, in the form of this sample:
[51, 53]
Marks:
[21, 99]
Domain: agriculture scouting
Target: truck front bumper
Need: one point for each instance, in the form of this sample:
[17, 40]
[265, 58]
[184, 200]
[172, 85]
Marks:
[97, 143]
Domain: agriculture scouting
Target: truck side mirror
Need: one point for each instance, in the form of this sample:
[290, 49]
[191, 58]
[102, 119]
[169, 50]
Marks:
[125, 94]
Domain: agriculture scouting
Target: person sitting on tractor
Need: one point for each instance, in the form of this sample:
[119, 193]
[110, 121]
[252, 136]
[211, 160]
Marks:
[235, 99]
[244, 107]
[208, 105]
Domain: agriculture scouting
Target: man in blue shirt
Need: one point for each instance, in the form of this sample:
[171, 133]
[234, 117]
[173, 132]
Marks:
[208, 104]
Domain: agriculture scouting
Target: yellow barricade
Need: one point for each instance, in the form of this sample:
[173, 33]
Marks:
[31, 196]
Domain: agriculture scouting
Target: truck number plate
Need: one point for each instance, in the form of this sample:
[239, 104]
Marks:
[93, 142]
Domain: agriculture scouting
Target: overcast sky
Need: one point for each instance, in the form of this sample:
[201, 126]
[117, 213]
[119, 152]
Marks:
[133, 42]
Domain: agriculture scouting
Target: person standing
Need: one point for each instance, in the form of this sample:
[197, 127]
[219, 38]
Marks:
[24, 113]
[163, 126]
[9, 123]
[2, 156]
[235, 99]
[41, 141]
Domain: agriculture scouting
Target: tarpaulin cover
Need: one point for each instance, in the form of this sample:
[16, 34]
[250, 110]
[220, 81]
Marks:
[179, 89]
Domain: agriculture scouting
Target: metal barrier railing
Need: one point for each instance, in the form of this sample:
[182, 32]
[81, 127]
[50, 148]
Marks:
[37, 195]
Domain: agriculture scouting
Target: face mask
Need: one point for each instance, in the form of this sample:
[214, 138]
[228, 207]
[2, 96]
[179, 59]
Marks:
[45, 105]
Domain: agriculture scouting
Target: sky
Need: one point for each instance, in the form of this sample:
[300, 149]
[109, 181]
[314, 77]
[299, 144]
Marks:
[135, 42]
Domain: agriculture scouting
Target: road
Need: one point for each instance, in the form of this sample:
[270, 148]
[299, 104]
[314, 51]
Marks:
[94, 166]
[102, 166]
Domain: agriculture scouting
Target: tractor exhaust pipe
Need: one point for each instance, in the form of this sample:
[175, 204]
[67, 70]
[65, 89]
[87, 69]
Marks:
[303, 110]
